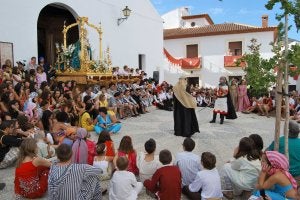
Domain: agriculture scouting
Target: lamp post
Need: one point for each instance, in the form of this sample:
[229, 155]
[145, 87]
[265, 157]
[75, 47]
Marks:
[126, 12]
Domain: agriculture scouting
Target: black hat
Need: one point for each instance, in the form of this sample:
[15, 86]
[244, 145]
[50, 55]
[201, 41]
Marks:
[21, 63]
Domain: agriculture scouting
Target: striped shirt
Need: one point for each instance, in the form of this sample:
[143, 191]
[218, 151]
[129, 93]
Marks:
[74, 181]
[189, 165]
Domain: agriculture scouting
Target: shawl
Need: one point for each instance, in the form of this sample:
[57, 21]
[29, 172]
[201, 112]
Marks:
[280, 163]
[80, 148]
[186, 99]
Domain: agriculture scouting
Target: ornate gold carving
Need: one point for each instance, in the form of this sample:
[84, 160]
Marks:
[87, 65]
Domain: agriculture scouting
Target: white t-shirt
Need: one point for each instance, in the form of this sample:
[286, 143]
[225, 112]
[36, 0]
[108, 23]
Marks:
[210, 183]
[162, 96]
[122, 186]
[147, 169]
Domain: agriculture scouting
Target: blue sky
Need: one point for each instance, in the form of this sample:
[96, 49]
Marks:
[239, 11]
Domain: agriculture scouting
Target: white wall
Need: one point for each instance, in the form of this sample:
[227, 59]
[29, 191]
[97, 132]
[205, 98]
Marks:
[173, 18]
[198, 22]
[142, 33]
[212, 49]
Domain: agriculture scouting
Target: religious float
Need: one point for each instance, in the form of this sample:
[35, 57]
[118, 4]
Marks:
[76, 62]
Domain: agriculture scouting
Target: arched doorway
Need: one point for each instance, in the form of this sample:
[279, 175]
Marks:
[50, 25]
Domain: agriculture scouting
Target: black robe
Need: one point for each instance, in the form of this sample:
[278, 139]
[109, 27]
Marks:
[231, 114]
[185, 120]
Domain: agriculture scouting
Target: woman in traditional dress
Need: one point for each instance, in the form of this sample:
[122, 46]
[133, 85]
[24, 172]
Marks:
[243, 100]
[223, 104]
[31, 177]
[234, 93]
[185, 119]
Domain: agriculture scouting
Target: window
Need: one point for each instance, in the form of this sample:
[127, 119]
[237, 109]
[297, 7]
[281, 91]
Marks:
[192, 51]
[235, 48]
[193, 24]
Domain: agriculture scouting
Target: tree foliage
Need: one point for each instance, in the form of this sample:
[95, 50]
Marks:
[284, 58]
[259, 71]
[294, 55]
[291, 7]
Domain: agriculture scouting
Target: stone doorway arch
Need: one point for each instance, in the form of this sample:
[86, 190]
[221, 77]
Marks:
[49, 29]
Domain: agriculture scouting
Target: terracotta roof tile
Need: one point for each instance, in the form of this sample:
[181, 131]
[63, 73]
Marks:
[215, 29]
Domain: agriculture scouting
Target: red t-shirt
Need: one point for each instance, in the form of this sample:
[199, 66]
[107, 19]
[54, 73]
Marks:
[166, 181]
[132, 161]
[109, 148]
[91, 151]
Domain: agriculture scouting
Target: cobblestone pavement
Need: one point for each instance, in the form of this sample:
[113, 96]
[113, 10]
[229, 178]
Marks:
[158, 124]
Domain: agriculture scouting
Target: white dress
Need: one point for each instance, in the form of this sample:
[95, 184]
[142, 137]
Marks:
[221, 102]
[102, 164]
[105, 166]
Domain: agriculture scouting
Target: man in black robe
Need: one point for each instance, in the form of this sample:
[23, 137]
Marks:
[185, 120]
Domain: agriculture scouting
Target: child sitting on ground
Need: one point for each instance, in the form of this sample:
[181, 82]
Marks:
[45, 150]
[148, 162]
[166, 181]
[207, 183]
[123, 184]
[103, 162]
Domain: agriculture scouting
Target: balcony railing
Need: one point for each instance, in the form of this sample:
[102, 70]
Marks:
[231, 61]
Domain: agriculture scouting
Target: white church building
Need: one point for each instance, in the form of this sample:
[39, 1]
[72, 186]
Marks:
[31, 28]
[202, 50]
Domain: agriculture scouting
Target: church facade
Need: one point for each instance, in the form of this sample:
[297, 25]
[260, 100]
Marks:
[35, 27]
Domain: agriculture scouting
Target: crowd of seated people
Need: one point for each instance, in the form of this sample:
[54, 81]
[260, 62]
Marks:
[265, 104]
[262, 105]
[161, 175]
[45, 126]
[205, 96]
[84, 166]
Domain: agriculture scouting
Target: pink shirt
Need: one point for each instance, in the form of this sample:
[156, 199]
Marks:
[41, 78]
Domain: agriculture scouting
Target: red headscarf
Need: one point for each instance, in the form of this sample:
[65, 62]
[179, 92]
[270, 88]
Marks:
[280, 163]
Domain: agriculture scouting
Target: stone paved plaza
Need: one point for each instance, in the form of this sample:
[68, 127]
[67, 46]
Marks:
[158, 124]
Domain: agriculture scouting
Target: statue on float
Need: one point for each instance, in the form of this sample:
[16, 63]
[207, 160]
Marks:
[78, 57]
